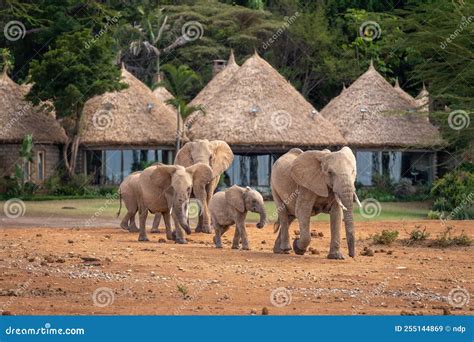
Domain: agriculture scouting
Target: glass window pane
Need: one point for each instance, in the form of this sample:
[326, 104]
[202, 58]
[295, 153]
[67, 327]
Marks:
[113, 170]
[40, 164]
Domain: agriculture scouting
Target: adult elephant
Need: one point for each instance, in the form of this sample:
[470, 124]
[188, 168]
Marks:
[312, 182]
[218, 155]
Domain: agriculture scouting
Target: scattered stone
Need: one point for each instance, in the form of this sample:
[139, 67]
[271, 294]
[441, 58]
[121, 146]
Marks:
[253, 312]
[367, 252]
[389, 252]
[6, 313]
[320, 234]
[264, 242]
[446, 311]
[70, 241]
[161, 240]
[31, 259]
[313, 251]
[265, 311]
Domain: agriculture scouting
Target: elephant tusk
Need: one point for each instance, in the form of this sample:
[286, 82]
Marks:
[357, 200]
[338, 200]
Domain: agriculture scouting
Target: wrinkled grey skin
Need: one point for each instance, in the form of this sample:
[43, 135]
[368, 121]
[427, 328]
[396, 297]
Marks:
[312, 182]
[216, 154]
[128, 191]
[230, 207]
[166, 189]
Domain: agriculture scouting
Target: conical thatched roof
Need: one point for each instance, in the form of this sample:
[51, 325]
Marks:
[132, 116]
[258, 107]
[403, 93]
[371, 113]
[163, 95]
[217, 83]
[18, 117]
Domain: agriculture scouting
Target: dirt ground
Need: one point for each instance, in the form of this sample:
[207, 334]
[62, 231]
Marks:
[107, 271]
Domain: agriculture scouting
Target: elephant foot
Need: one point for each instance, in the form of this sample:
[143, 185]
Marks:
[173, 236]
[278, 250]
[245, 248]
[218, 244]
[155, 231]
[204, 229]
[143, 238]
[133, 230]
[336, 255]
[296, 249]
[181, 241]
[124, 227]
[234, 247]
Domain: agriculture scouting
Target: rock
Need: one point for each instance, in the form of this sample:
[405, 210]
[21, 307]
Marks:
[6, 313]
[320, 234]
[446, 311]
[161, 240]
[70, 241]
[265, 311]
[253, 312]
[367, 252]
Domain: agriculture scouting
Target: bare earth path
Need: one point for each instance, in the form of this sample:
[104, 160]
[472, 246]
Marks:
[57, 271]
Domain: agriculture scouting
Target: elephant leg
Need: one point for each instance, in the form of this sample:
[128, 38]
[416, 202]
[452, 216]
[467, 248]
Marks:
[236, 239]
[142, 221]
[179, 232]
[241, 232]
[204, 223]
[156, 223]
[169, 229]
[336, 222]
[133, 226]
[217, 237]
[282, 243]
[304, 206]
[125, 221]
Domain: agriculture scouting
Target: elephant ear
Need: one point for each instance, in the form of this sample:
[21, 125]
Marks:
[222, 156]
[184, 157]
[161, 175]
[201, 173]
[306, 171]
[349, 154]
[234, 196]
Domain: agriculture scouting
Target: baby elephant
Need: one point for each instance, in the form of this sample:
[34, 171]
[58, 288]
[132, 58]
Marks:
[230, 207]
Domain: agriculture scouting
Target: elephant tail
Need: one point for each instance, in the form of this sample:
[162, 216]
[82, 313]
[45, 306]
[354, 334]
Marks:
[120, 205]
[276, 226]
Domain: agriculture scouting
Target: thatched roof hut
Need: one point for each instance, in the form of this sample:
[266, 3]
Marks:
[403, 93]
[372, 113]
[133, 117]
[257, 107]
[19, 117]
[217, 83]
[162, 94]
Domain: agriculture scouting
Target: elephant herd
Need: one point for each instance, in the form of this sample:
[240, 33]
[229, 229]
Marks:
[303, 184]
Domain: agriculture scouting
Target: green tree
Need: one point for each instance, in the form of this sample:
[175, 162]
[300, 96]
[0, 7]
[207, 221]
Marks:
[70, 74]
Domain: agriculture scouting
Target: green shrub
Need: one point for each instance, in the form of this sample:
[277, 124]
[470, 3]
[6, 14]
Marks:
[387, 237]
[417, 235]
[454, 195]
[447, 239]
[404, 188]
[77, 185]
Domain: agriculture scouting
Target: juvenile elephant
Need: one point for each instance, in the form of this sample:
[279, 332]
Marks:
[216, 154]
[166, 189]
[128, 192]
[230, 207]
[312, 182]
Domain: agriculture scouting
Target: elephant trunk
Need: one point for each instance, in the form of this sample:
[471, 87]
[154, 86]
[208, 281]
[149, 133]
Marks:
[179, 211]
[263, 217]
[347, 200]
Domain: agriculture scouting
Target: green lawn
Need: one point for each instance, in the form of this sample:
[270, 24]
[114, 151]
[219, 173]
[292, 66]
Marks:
[109, 207]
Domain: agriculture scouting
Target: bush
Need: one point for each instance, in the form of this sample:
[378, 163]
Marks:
[454, 195]
[77, 185]
[387, 237]
[447, 239]
[417, 235]
[404, 188]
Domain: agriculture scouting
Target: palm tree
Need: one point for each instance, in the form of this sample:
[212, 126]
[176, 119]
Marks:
[180, 82]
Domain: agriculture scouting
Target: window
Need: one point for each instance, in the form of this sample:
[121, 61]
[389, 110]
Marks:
[27, 171]
[40, 165]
